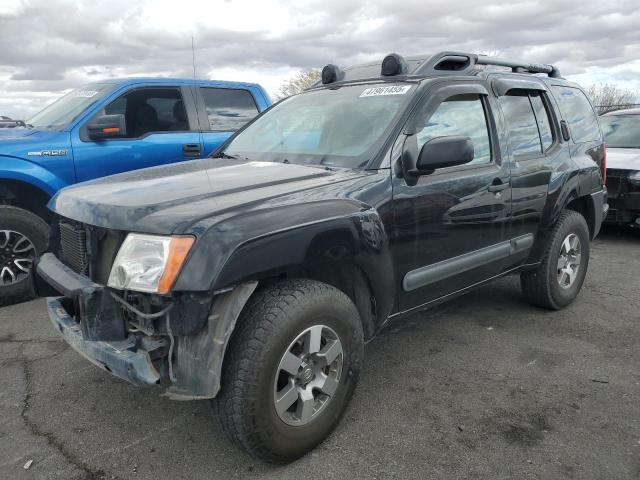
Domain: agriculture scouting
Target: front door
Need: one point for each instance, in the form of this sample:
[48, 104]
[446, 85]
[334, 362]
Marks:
[452, 224]
[159, 131]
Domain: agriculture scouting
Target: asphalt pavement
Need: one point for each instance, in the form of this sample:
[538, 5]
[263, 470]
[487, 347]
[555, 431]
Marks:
[485, 386]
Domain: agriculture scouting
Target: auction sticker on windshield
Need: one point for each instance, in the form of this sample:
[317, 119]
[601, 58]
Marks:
[389, 90]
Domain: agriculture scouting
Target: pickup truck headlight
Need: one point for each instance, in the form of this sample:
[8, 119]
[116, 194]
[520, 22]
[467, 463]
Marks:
[149, 263]
[634, 178]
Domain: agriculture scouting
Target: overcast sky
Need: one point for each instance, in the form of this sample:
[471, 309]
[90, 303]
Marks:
[49, 46]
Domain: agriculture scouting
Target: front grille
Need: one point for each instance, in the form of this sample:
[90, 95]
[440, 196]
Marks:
[73, 246]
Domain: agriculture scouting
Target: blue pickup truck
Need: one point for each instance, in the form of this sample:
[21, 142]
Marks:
[101, 129]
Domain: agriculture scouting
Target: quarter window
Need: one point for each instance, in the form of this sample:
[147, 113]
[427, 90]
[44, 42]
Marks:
[578, 113]
[228, 109]
[460, 115]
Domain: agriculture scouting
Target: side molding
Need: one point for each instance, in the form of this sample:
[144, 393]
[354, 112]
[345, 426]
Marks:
[436, 272]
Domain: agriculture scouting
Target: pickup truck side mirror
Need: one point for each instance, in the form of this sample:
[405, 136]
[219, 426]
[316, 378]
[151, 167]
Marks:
[107, 126]
[443, 152]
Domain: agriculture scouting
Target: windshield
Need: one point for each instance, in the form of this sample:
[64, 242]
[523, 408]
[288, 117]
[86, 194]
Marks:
[342, 127]
[66, 109]
[621, 131]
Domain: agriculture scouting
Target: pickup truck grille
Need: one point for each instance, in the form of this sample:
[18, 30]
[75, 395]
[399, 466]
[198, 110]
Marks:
[73, 246]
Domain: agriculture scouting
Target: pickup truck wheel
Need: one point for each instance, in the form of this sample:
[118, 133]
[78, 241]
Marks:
[559, 277]
[291, 368]
[23, 236]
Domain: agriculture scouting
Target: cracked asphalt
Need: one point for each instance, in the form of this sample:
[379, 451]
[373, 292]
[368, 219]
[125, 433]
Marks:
[485, 386]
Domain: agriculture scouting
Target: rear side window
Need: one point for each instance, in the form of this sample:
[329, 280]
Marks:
[228, 109]
[543, 119]
[528, 121]
[578, 113]
[523, 129]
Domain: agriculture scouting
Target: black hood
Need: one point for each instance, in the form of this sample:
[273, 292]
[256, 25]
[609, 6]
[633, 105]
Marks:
[171, 198]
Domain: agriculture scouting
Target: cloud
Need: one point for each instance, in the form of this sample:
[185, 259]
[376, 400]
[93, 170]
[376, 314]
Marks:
[47, 47]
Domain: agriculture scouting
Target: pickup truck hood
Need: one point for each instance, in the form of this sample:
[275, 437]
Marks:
[34, 145]
[171, 198]
[623, 158]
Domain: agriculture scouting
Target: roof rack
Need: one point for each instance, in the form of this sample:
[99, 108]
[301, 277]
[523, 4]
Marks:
[442, 63]
[460, 62]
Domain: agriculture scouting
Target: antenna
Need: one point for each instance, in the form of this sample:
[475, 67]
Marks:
[193, 89]
[193, 57]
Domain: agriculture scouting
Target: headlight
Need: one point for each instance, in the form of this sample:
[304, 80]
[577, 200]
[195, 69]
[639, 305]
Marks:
[149, 263]
[634, 178]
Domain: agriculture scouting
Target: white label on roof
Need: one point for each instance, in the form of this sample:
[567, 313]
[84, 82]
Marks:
[388, 90]
[85, 93]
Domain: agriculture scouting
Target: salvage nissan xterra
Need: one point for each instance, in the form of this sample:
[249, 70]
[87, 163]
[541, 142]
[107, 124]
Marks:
[254, 278]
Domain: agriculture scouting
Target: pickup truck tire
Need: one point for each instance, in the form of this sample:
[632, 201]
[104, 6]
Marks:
[23, 236]
[558, 279]
[270, 363]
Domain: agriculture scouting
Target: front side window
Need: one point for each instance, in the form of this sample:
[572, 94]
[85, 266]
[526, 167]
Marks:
[460, 115]
[578, 113]
[228, 109]
[340, 126]
[149, 110]
[62, 112]
[621, 131]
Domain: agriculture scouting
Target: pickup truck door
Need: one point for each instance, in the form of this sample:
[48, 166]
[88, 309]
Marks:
[452, 226]
[161, 126]
[222, 111]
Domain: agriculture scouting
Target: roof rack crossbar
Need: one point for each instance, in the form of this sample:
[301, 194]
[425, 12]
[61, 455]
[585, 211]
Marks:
[519, 67]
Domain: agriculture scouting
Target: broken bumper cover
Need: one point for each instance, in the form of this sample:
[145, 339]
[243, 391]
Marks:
[91, 322]
[118, 358]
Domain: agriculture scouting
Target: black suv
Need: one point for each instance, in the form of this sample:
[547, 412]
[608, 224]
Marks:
[257, 275]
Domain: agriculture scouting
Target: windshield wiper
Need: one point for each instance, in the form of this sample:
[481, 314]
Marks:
[226, 155]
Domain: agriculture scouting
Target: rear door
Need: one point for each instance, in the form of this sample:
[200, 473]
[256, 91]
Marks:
[536, 153]
[222, 111]
[161, 129]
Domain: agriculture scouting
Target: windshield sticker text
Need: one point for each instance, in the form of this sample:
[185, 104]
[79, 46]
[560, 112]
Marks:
[390, 90]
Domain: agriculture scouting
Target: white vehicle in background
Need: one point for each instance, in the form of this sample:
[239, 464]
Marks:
[622, 136]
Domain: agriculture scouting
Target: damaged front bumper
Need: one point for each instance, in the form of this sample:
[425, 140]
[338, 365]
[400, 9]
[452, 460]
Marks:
[182, 348]
[120, 358]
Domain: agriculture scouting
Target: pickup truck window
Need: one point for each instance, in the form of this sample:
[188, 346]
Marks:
[341, 127]
[460, 115]
[521, 120]
[227, 108]
[62, 112]
[149, 110]
[578, 113]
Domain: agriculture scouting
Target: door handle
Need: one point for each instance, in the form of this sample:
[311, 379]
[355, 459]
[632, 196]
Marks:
[191, 149]
[497, 186]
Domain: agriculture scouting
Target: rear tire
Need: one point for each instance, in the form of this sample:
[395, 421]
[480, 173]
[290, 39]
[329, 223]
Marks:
[558, 279]
[280, 320]
[23, 236]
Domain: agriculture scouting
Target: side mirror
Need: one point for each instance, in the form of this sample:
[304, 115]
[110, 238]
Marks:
[107, 126]
[443, 152]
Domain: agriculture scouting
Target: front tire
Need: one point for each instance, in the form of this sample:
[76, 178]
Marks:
[558, 279]
[290, 370]
[23, 236]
